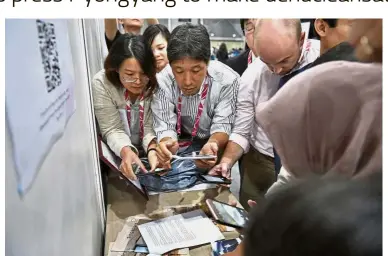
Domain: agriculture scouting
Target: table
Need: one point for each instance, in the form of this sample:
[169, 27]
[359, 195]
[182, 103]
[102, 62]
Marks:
[124, 201]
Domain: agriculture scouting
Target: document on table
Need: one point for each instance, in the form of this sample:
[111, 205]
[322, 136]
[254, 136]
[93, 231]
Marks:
[179, 231]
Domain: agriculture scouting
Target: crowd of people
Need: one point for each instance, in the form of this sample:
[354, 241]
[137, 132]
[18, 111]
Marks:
[301, 117]
[222, 54]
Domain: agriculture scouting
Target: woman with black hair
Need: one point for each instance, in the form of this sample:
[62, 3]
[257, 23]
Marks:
[156, 37]
[122, 94]
[222, 53]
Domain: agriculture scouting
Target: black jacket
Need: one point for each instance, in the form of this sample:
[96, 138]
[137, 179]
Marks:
[239, 63]
[343, 51]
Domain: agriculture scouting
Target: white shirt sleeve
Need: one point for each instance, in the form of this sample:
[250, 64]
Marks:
[284, 177]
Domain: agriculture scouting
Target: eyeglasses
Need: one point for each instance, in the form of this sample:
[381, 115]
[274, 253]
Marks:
[130, 79]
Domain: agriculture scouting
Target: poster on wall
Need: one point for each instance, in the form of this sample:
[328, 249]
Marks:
[39, 91]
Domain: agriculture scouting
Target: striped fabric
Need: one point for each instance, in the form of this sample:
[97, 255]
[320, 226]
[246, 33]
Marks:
[219, 108]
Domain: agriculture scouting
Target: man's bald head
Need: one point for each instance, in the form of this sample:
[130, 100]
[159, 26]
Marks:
[291, 27]
[278, 42]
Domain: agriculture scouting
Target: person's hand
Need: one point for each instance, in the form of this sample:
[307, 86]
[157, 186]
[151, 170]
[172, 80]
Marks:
[153, 160]
[128, 158]
[164, 151]
[210, 148]
[221, 169]
[251, 203]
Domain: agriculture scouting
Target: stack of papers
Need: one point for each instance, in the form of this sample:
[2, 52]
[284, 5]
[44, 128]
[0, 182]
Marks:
[179, 231]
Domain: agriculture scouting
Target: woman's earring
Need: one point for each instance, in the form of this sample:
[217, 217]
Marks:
[367, 48]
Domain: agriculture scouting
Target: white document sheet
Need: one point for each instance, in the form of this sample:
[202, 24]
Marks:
[179, 231]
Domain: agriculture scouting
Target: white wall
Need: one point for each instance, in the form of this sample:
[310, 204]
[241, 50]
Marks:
[95, 44]
[62, 213]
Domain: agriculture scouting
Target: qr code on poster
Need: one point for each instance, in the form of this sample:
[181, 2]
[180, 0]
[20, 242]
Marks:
[49, 54]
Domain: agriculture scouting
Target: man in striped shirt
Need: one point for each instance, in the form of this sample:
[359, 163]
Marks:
[196, 100]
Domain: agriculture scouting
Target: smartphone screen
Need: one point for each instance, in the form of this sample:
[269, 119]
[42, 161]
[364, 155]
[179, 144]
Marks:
[141, 249]
[228, 214]
[215, 179]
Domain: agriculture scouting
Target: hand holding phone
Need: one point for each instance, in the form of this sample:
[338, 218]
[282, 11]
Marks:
[214, 179]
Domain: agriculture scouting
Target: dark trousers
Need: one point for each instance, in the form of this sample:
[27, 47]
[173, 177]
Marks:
[258, 176]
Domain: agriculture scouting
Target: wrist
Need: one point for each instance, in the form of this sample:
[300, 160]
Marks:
[126, 150]
[213, 141]
[229, 162]
[165, 139]
[151, 150]
[152, 145]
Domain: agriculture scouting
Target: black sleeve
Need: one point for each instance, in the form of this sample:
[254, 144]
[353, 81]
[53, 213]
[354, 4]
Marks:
[239, 63]
[342, 51]
[109, 43]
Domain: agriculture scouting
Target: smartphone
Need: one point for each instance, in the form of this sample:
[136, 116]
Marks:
[141, 249]
[227, 214]
[214, 179]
